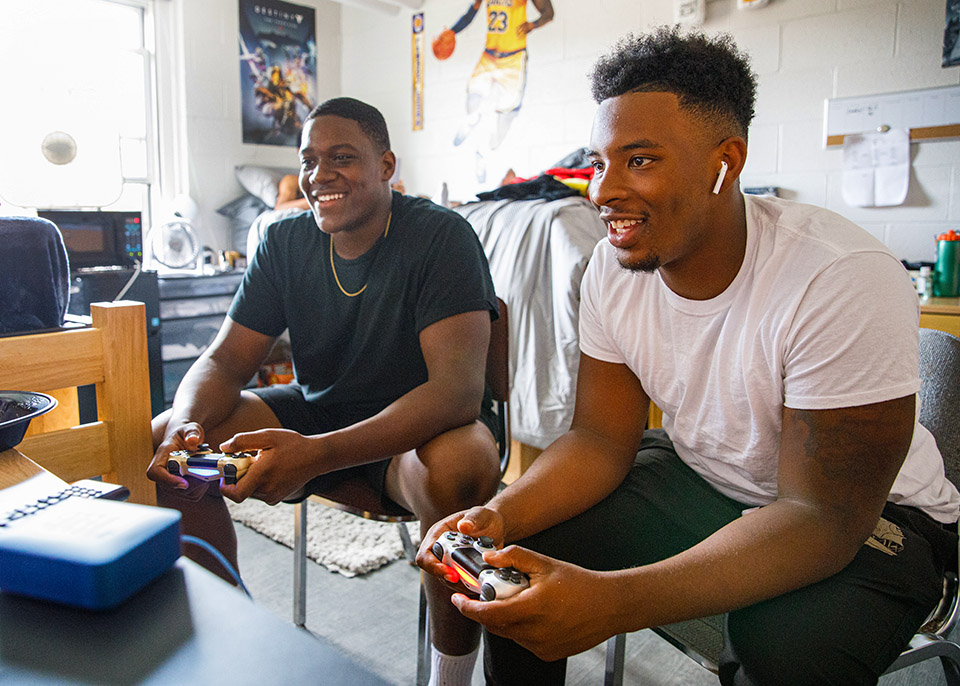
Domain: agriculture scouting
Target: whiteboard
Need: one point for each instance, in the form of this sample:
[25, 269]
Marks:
[928, 113]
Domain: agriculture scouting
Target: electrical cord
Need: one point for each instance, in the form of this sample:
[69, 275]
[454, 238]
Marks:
[220, 558]
[126, 287]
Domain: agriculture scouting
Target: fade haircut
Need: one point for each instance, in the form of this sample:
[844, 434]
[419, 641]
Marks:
[710, 76]
[367, 116]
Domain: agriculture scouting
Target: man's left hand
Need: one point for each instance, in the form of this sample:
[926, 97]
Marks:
[564, 612]
[282, 465]
[525, 28]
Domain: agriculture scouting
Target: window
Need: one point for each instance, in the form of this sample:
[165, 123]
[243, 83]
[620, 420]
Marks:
[77, 125]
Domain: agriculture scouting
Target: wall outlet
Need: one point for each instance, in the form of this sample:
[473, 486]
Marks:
[689, 12]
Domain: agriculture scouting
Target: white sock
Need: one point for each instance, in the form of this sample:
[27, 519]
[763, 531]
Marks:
[451, 670]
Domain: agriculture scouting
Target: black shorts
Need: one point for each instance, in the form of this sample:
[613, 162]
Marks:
[296, 413]
[663, 508]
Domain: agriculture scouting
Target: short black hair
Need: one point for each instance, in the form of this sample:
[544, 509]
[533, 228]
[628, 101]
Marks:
[367, 116]
[710, 76]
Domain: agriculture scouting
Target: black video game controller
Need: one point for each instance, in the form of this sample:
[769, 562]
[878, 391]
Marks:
[464, 554]
[206, 464]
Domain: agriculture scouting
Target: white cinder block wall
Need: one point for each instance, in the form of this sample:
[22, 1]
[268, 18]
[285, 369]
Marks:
[803, 50]
[213, 144]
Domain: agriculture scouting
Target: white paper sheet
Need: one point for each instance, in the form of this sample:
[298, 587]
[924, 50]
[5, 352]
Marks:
[876, 168]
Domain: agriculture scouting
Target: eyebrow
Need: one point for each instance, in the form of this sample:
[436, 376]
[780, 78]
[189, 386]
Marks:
[338, 147]
[642, 144]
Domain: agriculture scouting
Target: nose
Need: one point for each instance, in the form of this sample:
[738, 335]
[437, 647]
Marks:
[605, 187]
[320, 173]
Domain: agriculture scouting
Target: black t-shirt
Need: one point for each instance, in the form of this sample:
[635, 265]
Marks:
[356, 355]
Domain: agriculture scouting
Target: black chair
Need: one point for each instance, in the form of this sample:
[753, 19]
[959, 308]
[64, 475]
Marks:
[702, 639]
[358, 498]
[35, 283]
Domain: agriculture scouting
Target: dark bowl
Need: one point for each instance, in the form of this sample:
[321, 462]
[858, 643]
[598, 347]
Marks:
[17, 408]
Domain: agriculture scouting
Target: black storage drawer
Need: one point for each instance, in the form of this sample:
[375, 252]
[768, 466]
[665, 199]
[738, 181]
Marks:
[187, 338]
[192, 308]
[197, 286]
[172, 374]
[195, 307]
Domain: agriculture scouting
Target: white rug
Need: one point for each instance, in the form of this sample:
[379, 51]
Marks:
[339, 541]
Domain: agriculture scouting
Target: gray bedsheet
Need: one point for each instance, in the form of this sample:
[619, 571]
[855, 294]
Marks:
[538, 251]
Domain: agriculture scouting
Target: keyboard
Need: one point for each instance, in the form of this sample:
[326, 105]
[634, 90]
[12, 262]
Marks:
[88, 488]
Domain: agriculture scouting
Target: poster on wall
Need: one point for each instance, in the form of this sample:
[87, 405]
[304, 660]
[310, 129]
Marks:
[951, 35]
[278, 70]
[498, 81]
[416, 51]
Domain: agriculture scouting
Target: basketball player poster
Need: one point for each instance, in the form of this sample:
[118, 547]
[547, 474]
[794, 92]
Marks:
[278, 70]
[499, 78]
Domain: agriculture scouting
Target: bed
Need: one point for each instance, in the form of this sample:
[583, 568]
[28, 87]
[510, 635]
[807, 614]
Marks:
[252, 212]
[538, 251]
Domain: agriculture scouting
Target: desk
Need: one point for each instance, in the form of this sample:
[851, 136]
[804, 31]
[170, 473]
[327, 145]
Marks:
[941, 313]
[187, 627]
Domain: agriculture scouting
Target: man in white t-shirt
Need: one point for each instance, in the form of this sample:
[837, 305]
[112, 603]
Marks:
[792, 486]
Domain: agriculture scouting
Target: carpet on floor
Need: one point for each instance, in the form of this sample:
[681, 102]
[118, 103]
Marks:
[341, 542]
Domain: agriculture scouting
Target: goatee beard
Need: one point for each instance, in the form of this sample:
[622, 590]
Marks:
[648, 264]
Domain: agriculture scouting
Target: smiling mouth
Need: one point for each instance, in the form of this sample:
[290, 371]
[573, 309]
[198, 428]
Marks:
[326, 197]
[621, 226]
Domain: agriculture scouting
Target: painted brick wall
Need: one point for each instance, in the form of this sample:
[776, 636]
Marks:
[803, 50]
[214, 140]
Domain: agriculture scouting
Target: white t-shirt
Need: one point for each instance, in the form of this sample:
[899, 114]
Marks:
[821, 315]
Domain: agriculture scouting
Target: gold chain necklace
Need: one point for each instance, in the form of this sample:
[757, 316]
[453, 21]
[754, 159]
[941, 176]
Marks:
[333, 267]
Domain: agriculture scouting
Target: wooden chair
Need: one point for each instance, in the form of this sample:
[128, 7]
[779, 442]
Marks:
[112, 354]
[702, 639]
[358, 498]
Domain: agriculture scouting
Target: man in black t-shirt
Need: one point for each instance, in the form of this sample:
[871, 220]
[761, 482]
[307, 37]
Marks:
[388, 302]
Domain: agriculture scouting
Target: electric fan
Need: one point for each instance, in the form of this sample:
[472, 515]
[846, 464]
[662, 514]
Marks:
[175, 245]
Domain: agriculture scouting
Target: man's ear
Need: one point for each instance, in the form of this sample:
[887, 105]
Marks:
[731, 152]
[389, 162]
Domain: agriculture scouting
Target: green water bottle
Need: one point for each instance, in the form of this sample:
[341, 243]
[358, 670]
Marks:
[946, 282]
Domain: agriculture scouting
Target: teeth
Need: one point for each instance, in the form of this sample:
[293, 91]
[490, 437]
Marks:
[621, 225]
[325, 198]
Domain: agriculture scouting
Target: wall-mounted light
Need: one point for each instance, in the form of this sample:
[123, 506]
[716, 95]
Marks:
[62, 157]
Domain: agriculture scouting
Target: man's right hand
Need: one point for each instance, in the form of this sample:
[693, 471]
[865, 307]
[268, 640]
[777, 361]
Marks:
[475, 522]
[187, 436]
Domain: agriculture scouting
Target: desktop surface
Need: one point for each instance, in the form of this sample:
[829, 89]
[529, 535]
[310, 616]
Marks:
[187, 627]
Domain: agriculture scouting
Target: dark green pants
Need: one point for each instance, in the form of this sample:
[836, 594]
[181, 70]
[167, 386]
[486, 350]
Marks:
[846, 629]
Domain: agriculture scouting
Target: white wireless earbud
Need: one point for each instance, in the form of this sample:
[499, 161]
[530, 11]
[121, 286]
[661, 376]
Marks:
[720, 175]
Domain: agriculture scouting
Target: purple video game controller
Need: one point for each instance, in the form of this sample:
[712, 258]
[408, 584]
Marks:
[206, 464]
[464, 554]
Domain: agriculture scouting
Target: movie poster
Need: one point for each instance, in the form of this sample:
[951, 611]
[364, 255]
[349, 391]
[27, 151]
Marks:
[278, 70]
[951, 35]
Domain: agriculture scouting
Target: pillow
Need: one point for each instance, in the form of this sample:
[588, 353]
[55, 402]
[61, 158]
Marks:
[242, 212]
[261, 182]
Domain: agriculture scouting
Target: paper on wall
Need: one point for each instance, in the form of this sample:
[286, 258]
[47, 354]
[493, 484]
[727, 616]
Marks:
[876, 168]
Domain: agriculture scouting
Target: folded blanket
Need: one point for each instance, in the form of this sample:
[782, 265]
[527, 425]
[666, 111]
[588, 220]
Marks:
[34, 275]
